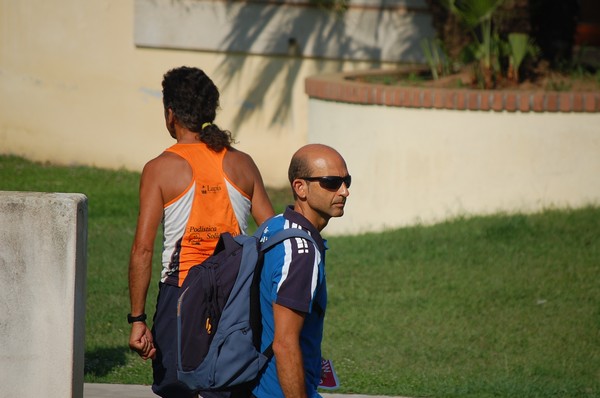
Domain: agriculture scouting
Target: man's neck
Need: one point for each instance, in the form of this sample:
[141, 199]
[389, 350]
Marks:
[315, 218]
[185, 136]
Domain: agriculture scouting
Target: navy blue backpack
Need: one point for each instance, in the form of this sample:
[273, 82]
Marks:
[218, 315]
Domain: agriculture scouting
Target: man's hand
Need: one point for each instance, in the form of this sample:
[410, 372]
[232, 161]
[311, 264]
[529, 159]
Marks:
[140, 340]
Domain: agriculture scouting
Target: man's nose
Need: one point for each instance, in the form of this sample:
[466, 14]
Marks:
[344, 190]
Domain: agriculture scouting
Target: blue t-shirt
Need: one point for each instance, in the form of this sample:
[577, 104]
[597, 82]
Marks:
[293, 275]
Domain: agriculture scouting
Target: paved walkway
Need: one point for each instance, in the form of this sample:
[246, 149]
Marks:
[92, 390]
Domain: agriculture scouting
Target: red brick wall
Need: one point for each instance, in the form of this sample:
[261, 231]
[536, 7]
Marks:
[338, 87]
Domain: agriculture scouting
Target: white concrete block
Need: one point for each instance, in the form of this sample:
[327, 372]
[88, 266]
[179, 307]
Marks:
[43, 239]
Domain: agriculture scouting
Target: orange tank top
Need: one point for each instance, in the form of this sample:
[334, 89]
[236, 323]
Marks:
[193, 221]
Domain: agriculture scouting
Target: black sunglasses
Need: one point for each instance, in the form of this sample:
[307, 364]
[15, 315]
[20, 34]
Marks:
[330, 182]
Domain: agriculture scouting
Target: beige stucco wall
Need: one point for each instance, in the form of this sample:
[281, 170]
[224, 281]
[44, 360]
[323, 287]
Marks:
[74, 89]
[425, 165]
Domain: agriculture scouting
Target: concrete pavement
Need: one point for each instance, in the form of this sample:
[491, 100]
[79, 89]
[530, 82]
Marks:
[93, 390]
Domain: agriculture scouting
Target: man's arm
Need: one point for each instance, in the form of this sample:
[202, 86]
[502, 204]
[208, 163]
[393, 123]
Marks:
[140, 263]
[262, 209]
[286, 347]
[242, 170]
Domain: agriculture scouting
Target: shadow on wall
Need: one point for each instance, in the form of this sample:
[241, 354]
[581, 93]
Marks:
[290, 40]
[293, 34]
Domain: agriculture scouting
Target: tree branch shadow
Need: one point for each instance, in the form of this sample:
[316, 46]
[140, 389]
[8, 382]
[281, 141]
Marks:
[287, 66]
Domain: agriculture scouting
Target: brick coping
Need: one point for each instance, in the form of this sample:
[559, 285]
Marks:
[341, 88]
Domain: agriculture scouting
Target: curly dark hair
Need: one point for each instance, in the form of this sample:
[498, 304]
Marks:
[194, 99]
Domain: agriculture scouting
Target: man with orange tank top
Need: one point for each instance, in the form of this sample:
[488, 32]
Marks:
[199, 188]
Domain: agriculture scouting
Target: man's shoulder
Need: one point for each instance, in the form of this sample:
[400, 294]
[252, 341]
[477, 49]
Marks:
[240, 158]
[297, 245]
[290, 219]
[272, 225]
[165, 159]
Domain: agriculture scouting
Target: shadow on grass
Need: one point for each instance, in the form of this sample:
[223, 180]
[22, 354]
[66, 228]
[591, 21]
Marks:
[102, 361]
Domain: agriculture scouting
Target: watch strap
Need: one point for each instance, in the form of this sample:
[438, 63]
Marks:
[139, 318]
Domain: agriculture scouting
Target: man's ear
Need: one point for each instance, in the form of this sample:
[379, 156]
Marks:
[299, 187]
[169, 116]
[170, 121]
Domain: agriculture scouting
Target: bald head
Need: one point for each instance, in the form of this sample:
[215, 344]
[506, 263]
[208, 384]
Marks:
[310, 158]
[320, 181]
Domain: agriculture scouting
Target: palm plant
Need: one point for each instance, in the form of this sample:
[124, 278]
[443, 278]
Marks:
[477, 15]
[436, 57]
[519, 46]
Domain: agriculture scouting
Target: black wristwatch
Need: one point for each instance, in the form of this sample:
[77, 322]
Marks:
[139, 318]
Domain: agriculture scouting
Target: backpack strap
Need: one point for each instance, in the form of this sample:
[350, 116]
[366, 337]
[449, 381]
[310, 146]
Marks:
[285, 234]
[291, 232]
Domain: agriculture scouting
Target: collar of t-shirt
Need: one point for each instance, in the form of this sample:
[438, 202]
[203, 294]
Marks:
[297, 218]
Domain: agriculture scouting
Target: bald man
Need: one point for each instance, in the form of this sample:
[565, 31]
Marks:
[293, 291]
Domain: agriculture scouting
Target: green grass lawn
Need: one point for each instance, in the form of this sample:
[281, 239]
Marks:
[498, 306]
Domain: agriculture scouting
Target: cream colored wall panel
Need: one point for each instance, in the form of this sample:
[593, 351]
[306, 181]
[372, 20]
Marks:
[423, 165]
[368, 30]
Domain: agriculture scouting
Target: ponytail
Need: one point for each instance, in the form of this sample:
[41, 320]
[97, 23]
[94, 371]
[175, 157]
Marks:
[215, 138]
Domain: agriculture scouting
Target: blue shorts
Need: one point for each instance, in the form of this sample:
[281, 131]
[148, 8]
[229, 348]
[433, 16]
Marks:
[164, 333]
